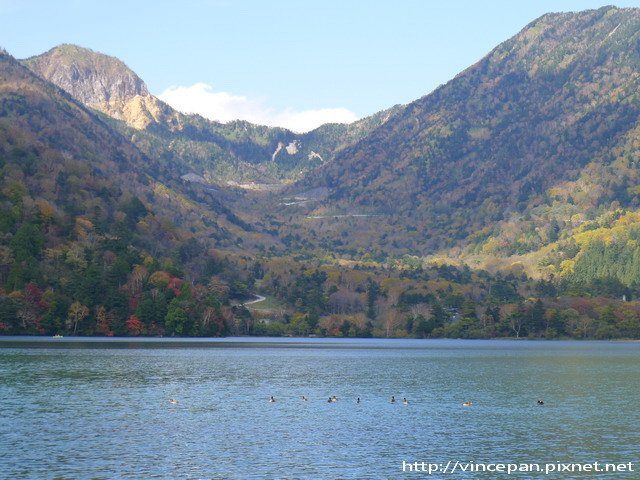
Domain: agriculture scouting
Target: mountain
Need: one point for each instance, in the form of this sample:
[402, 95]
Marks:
[50, 120]
[541, 129]
[91, 78]
[505, 203]
[237, 153]
[90, 226]
[103, 83]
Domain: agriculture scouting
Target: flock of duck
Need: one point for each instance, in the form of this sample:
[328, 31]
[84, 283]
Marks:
[334, 399]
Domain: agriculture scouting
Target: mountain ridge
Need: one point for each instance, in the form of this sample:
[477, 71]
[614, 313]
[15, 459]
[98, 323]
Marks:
[238, 151]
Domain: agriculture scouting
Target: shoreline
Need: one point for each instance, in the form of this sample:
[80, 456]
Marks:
[283, 342]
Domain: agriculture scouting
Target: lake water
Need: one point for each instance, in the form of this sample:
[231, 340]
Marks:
[75, 409]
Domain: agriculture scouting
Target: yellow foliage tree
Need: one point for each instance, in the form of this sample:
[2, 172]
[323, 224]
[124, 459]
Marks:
[77, 313]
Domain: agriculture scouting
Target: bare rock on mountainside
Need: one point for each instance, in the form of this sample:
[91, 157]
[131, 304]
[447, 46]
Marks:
[101, 82]
[90, 77]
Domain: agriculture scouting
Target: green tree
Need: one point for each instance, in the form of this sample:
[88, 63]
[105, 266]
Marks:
[27, 242]
[422, 328]
[176, 320]
[135, 210]
[298, 325]
[373, 292]
[607, 324]
[439, 315]
[534, 318]
[146, 309]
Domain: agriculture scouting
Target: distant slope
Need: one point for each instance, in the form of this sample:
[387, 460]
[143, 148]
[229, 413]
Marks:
[39, 109]
[526, 163]
[556, 103]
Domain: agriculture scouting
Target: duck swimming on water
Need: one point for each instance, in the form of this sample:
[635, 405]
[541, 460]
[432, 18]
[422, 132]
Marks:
[467, 404]
[393, 399]
[405, 401]
[173, 401]
[271, 399]
[540, 402]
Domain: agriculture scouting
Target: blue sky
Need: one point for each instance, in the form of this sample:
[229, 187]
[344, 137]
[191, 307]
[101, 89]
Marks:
[280, 61]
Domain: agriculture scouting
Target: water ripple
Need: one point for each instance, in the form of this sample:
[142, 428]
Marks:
[105, 412]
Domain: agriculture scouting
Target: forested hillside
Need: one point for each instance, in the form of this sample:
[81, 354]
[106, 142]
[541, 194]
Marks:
[541, 129]
[91, 243]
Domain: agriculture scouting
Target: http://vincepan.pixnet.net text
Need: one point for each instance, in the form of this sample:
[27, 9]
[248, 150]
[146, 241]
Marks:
[512, 468]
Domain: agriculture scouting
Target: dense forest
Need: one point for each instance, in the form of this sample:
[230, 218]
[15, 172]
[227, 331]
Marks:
[402, 300]
[78, 265]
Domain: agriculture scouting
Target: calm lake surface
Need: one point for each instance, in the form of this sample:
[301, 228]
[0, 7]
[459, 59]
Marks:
[73, 408]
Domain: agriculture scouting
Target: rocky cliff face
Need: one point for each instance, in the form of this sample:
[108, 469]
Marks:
[90, 77]
[101, 82]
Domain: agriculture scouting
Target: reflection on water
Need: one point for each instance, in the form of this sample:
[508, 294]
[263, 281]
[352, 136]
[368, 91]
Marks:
[76, 409]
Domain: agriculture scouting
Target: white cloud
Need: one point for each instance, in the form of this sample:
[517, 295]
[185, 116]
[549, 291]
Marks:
[224, 107]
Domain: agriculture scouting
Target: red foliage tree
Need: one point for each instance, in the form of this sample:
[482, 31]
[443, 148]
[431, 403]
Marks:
[33, 307]
[155, 330]
[103, 324]
[175, 283]
[134, 326]
[133, 302]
